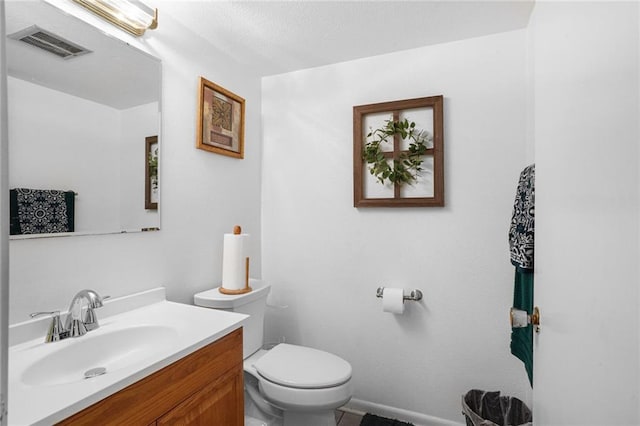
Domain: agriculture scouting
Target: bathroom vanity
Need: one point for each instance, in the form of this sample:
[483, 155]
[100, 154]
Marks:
[202, 388]
[165, 363]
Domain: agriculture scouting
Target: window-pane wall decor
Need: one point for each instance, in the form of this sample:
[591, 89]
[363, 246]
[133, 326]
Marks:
[398, 157]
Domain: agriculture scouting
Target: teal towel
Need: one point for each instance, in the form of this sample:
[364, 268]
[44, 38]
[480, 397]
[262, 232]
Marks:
[522, 338]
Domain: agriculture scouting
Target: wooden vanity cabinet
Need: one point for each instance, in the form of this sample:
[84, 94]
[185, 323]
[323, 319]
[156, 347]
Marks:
[203, 388]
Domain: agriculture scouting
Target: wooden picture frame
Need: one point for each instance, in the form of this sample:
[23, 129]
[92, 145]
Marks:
[220, 126]
[151, 183]
[428, 191]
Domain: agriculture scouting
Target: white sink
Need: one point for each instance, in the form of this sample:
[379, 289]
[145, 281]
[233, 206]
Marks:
[112, 350]
[138, 335]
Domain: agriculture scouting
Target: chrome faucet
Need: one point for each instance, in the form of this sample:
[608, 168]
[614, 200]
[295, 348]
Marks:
[75, 325]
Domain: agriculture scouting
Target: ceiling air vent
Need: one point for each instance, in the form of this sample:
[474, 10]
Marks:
[50, 42]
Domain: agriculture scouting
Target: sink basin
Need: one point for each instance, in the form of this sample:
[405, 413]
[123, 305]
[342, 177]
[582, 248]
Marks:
[139, 335]
[112, 350]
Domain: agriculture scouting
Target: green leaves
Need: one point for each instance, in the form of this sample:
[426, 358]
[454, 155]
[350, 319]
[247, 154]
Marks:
[405, 167]
[153, 167]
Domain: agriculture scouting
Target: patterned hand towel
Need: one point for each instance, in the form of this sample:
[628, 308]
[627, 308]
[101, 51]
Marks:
[39, 211]
[521, 231]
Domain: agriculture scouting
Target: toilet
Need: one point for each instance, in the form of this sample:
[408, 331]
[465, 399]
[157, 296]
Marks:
[287, 385]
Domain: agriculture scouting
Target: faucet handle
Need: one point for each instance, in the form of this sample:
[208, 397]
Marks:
[37, 314]
[56, 331]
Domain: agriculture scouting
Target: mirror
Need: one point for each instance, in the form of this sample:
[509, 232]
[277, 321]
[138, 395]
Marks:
[82, 108]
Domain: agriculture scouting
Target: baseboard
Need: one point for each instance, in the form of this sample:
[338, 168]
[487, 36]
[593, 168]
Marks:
[359, 406]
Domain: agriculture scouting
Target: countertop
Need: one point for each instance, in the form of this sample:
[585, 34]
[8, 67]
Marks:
[45, 404]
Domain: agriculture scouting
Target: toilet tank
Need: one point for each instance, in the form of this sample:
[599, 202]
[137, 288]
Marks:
[253, 303]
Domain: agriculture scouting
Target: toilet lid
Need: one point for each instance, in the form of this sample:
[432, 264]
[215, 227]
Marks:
[301, 367]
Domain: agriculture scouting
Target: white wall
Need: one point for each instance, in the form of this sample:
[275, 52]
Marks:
[47, 143]
[586, 131]
[325, 258]
[203, 196]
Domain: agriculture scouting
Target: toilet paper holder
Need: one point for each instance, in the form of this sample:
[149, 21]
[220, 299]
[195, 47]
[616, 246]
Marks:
[414, 295]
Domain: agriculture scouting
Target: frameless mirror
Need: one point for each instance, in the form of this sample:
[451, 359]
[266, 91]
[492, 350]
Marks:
[84, 124]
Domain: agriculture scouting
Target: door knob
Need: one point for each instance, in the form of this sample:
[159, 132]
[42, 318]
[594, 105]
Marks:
[521, 319]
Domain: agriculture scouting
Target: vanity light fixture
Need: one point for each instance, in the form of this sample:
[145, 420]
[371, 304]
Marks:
[130, 15]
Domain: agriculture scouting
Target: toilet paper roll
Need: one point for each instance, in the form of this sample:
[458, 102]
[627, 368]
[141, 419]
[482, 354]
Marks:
[234, 261]
[393, 300]
[519, 318]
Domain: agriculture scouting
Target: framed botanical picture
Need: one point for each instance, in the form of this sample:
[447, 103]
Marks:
[220, 120]
[151, 189]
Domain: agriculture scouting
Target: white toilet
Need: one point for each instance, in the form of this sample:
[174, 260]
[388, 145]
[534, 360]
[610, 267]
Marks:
[289, 384]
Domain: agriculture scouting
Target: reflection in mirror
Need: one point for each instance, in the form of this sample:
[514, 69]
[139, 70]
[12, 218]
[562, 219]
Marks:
[82, 106]
[151, 174]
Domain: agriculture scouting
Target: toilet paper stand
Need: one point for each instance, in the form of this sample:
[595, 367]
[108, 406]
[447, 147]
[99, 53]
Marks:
[414, 295]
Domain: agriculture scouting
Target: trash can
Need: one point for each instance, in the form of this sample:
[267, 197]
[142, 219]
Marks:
[482, 408]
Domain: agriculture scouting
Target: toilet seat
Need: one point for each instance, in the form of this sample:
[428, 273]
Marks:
[300, 367]
[288, 398]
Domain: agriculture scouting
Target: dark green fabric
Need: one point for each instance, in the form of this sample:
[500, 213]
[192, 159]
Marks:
[14, 219]
[522, 338]
[70, 201]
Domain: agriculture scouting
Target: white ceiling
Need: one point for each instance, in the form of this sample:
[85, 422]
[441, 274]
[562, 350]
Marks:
[267, 36]
[273, 37]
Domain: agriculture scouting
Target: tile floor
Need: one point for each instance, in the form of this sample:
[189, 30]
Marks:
[347, 419]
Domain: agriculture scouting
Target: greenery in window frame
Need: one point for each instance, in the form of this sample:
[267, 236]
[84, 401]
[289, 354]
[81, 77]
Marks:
[153, 166]
[405, 168]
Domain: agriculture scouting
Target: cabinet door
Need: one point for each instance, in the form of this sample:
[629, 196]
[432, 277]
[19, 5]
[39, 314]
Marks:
[141, 403]
[217, 404]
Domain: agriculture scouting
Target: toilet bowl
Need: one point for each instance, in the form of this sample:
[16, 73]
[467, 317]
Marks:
[288, 385]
